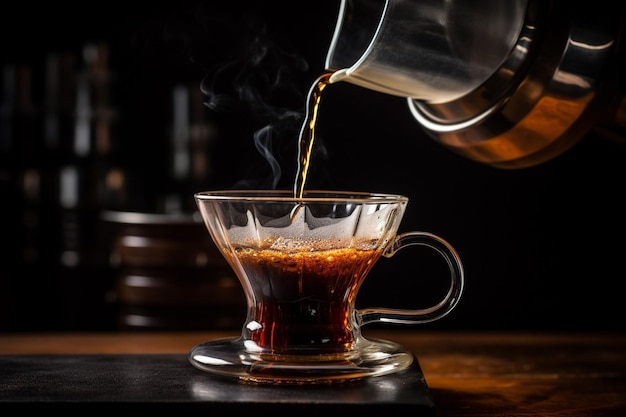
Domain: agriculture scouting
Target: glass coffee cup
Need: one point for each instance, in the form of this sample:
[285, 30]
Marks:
[301, 262]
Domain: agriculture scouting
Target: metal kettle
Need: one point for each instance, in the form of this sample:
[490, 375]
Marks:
[508, 84]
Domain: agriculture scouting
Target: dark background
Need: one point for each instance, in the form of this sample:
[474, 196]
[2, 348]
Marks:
[543, 247]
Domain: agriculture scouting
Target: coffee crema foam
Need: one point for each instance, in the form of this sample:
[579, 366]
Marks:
[319, 261]
[289, 245]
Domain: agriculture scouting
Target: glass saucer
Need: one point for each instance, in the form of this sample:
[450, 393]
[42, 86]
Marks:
[238, 358]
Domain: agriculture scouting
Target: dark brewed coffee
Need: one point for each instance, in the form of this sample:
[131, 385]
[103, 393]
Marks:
[305, 297]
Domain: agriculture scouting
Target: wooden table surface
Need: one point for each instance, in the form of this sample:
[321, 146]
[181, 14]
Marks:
[468, 373]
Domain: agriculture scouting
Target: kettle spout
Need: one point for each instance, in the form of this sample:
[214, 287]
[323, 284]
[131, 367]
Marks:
[513, 93]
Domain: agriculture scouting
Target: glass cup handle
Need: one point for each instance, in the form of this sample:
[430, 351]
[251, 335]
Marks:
[406, 316]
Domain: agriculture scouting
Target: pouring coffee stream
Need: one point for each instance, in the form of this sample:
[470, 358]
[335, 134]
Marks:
[307, 132]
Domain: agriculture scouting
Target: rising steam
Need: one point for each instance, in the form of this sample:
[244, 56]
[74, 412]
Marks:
[258, 86]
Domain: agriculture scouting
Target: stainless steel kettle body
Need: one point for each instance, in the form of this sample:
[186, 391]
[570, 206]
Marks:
[509, 84]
